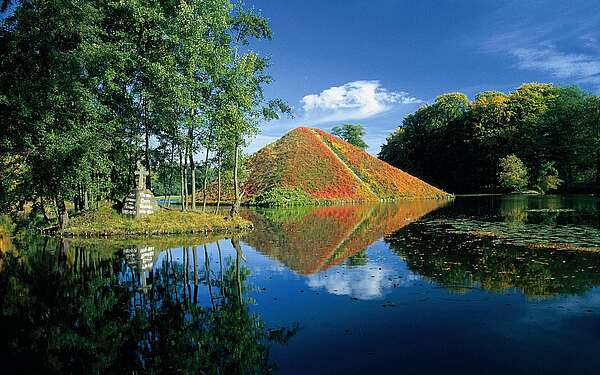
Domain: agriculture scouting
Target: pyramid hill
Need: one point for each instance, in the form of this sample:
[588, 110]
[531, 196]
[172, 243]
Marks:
[312, 165]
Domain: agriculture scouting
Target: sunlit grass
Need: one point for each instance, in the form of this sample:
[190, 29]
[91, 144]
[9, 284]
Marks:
[107, 222]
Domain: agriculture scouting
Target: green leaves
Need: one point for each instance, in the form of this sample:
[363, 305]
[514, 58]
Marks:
[87, 88]
[352, 134]
[457, 145]
[513, 173]
[246, 24]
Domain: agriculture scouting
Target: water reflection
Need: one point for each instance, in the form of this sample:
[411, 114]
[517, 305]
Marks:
[308, 291]
[533, 244]
[310, 240]
[69, 308]
[460, 262]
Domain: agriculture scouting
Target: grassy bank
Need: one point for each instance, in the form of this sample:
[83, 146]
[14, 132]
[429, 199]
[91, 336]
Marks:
[107, 222]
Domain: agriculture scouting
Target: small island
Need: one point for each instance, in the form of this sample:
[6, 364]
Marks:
[105, 221]
[141, 215]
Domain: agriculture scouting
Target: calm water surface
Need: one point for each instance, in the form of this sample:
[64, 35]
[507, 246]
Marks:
[478, 285]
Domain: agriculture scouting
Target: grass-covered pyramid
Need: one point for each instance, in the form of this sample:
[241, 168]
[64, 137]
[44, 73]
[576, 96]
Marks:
[308, 165]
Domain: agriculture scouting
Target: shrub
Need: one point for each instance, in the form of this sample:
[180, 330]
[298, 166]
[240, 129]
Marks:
[548, 178]
[513, 173]
[283, 197]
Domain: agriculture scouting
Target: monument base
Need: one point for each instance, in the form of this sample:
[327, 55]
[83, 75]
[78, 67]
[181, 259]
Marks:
[140, 203]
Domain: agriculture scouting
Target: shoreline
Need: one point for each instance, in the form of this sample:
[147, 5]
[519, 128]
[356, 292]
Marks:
[105, 223]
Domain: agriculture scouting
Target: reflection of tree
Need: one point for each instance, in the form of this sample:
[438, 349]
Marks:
[514, 209]
[457, 261]
[313, 239]
[548, 210]
[60, 313]
[69, 309]
[5, 242]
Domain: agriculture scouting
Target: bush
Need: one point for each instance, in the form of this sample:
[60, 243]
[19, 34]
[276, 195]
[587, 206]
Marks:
[548, 178]
[513, 173]
[283, 197]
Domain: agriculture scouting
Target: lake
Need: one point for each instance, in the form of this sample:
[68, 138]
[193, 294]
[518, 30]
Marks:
[485, 284]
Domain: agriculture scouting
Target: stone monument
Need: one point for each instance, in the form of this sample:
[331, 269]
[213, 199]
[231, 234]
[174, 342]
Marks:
[140, 202]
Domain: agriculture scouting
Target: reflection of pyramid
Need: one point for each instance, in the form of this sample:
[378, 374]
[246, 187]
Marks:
[310, 240]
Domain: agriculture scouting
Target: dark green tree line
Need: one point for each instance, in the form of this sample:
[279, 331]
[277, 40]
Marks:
[457, 144]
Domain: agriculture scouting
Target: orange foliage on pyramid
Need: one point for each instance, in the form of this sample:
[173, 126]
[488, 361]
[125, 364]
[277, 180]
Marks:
[328, 168]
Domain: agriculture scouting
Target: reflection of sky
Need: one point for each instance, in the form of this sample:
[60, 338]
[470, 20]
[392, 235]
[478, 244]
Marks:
[438, 330]
[383, 271]
[369, 281]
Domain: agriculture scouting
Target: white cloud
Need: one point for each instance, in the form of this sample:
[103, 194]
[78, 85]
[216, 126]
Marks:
[352, 101]
[569, 53]
[357, 100]
[581, 67]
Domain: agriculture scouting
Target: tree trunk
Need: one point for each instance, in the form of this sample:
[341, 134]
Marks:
[170, 176]
[78, 197]
[235, 209]
[205, 183]
[185, 177]
[43, 208]
[164, 175]
[86, 198]
[192, 164]
[62, 213]
[147, 146]
[218, 182]
[182, 175]
[98, 196]
[193, 178]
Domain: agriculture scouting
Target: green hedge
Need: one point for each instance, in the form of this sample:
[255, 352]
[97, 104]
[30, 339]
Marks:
[283, 197]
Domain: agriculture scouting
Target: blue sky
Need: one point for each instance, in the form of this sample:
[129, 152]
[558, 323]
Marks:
[373, 62]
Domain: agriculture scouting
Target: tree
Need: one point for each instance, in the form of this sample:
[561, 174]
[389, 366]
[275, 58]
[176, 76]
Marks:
[491, 129]
[432, 142]
[241, 101]
[512, 173]
[456, 145]
[50, 118]
[548, 178]
[528, 106]
[352, 134]
[565, 137]
[88, 88]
